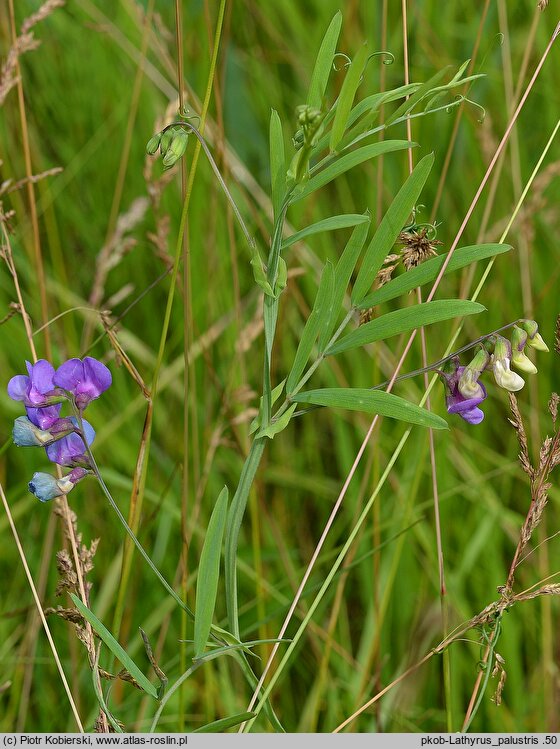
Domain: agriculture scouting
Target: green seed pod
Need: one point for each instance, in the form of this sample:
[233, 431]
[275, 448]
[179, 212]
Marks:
[176, 149]
[153, 144]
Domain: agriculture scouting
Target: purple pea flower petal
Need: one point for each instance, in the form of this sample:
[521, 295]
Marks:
[68, 450]
[44, 417]
[86, 379]
[34, 389]
[466, 408]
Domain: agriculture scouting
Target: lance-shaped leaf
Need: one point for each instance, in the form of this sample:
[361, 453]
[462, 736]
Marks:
[221, 725]
[428, 272]
[277, 162]
[323, 64]
[115, 648]
[342, 274]
[343, 163]
[390, 227]
[318, 317]
[403, 320]
[346, 96]
[209, 573]
[327, 224]
[372, 402]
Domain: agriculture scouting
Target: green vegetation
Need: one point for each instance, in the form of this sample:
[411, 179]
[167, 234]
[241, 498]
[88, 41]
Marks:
[234, 299]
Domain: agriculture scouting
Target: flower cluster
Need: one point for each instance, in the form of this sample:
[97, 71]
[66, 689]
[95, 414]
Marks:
[43, 391]
[464, 391]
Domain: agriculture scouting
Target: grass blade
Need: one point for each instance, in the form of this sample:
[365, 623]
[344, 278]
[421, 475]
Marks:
[208, 573]
[346, 96]
[343, 163]
[372, 402]
[117, 650]
[323, 64]
[428, 271]
[318, 317]
[390, 227]
[344, 221]
[403, 320]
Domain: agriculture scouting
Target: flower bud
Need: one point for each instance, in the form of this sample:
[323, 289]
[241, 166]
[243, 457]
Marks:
[469, 387]
[503, 375]
[176, 149]
[518, 358]
[535, 339]
[165, 140]
[46, 487]
[153, 144]
[26, 434]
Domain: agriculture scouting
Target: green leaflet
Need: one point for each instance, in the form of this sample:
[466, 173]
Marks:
[347, 161]
[429, 270]
[390, 227]
[319, 316]
[342, 274]
[278, 425]
[403, 320]
[209, 573]
[372, 402]
[323, 64]
[218, 726]
[277, 162]
[346, 97]
[117, 650]
[328, 224]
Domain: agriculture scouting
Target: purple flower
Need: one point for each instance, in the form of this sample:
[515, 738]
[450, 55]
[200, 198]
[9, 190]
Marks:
[70, 450]
[45, 417]
[466, 408]
[45, 487]
[86, 379]
[34, 390]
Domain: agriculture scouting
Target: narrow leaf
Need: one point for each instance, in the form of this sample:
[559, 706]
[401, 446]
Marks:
[218, 726]
[342, 274]
[208, 573]
[117, 650]
[323, 64]
[390, 227]
[277, 162]
[346, 96]
[97, 688]
[328, 224]
[372, 402]
[403, 320]
[428, 272]
[347, 161]
[279, 425]
[318, 317]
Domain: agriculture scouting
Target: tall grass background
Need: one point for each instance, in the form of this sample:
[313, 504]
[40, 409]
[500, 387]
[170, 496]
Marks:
[95, 90]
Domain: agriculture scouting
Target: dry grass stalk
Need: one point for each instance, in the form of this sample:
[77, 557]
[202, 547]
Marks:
[10, 186]
[118, 246]
[549, 458]
[25, 42]
[557, 336]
